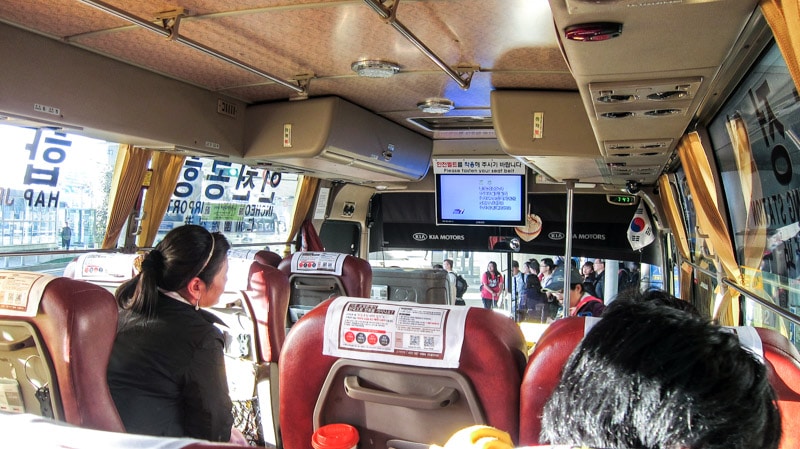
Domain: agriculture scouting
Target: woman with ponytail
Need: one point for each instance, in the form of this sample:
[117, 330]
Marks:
[167, 368]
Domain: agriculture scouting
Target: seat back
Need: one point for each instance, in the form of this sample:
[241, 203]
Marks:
[56, 338]
[374, 391]
[266, 301]
[544, 372]
[783, 368]
[269, 258]
[317, 276]
[562, 337]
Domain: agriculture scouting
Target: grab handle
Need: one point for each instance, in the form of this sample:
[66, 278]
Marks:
[440, 399]
[16, 345]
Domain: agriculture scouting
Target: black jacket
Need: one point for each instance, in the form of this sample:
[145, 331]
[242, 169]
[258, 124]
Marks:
[167, 374]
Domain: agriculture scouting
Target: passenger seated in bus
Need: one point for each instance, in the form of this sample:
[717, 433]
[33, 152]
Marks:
[167, 369]
[650, 376]
[581, 303]
[661, 297]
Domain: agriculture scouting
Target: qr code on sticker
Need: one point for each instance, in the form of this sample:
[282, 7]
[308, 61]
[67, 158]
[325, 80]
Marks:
[413, 341]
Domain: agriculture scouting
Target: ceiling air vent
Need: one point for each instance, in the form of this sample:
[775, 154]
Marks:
[670, 94]
[611, 98]
[663, 112]
[616, 115]
[645, 98]
[650, 147]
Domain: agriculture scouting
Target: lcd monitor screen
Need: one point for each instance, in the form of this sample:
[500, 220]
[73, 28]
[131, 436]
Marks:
[481, 199]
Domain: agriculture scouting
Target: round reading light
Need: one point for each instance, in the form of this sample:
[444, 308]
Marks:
[436, 105]
[373, 68]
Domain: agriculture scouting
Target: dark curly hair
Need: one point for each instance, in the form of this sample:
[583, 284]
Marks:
[651, 376]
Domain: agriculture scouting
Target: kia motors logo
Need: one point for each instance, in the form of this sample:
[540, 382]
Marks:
[555, 235]
[420, 236]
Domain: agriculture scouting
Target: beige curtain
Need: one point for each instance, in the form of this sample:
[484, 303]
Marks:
[669, 204]
[704, 193]
[166, 170]
[306, 190]
[127, 183]
[783, 17]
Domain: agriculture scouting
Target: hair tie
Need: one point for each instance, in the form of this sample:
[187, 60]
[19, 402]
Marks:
[153, 262]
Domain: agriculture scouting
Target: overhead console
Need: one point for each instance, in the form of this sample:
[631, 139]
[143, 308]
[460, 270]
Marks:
[545, 129]
[645, 68]
[334, 139]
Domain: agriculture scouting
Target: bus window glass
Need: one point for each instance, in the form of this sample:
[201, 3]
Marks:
[53, 193]
[755, 141]
[701, 251]
[250, 205]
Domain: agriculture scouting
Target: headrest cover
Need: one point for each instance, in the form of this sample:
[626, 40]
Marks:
[749, 340]
[318, 262]
[21, 292]
[395, 332]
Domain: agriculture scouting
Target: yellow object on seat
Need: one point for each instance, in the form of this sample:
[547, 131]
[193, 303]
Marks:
[478, 437]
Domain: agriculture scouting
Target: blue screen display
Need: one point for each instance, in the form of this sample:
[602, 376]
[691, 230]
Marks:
[491, 200]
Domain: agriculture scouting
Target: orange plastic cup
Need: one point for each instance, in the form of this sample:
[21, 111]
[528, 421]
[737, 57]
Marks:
[335, 436]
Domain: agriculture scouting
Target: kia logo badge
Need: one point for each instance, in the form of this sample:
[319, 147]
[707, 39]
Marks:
[420, 236]
[555, 235]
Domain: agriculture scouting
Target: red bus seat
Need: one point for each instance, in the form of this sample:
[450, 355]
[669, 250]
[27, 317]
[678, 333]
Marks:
[266, 301]
[310, 287]
[783, 368]
[317, 389]
[562, 337]
[65, 348]
[268, 258]
[544, 372]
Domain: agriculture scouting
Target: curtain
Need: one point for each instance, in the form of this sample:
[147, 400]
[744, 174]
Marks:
[309, 238]
[783, 17]
[704, 193]
[669, 204]
[166, 170]
[126, 185]
[306, 190]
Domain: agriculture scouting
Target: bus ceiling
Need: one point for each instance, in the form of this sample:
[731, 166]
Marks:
[596, 92]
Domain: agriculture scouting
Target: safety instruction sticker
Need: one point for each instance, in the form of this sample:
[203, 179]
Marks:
[396, 332]
[10, 396]
[317, 262]
[21, 292]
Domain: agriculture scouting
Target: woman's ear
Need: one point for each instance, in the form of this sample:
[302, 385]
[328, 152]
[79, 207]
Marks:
[194, 288]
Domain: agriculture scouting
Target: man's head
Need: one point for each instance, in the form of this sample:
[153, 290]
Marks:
[650, 376]
[575, 285]
[514, 266]
[599, 265]
[448, 264]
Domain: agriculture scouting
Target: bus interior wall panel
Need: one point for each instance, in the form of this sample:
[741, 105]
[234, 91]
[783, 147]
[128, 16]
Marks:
[336, 139]
[51, 84]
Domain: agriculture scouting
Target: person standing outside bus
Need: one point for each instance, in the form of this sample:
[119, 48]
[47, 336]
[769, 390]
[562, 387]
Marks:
[600, 278]
[66, 236]
[452, 278]
[491, 286]
[515, 284]
[167, 368]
